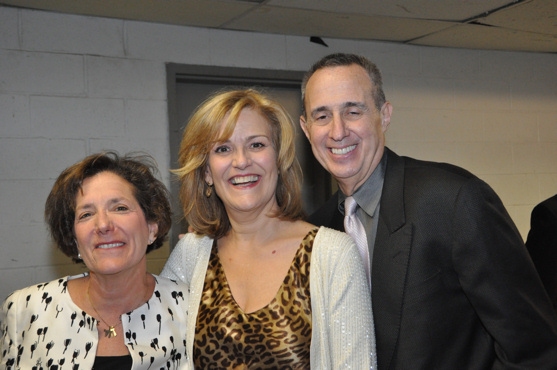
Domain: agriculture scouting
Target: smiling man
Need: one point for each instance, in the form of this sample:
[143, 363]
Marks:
[452, 284]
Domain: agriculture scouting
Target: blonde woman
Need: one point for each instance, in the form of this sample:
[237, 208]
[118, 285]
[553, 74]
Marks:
[267, 289]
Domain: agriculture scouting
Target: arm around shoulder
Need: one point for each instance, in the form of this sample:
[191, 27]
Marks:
[182, 261]
[344, 297]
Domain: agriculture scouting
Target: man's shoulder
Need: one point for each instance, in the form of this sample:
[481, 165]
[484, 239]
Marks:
[433, 185]
[551, 202]
[547, 207]
[436, 168]
[424, 171]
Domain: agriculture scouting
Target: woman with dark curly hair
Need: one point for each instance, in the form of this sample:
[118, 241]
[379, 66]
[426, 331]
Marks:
[108, 212]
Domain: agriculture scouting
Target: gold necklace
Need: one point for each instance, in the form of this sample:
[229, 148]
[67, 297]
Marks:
[111, 331]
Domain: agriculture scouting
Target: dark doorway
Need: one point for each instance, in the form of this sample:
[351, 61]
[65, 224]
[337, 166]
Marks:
[189, 85]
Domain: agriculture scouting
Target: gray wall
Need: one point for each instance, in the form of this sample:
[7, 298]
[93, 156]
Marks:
[73, 85]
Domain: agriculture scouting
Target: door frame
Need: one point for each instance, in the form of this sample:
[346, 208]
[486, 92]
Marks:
[233, 76]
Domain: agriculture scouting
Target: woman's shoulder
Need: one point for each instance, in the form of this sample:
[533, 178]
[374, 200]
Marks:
[48, 287]
[192, 242]
[38, 298]
[170, 292]
[164, 283]
[327, 234]
[191, 252]
[190, 248]
[333, 245]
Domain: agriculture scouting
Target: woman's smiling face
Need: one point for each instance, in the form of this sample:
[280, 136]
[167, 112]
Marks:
[244, 168]
[110, 227]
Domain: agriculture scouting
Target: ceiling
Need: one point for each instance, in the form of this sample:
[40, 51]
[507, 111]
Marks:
[519, 25]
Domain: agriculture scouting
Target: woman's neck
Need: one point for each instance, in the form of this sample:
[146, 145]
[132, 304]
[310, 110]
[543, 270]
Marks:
[119, 294]
[258, 230]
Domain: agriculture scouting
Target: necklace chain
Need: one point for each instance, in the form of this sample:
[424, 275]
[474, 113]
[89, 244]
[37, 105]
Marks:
[111, 331]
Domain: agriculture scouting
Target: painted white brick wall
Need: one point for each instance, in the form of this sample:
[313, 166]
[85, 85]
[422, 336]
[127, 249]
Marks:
[73, 85]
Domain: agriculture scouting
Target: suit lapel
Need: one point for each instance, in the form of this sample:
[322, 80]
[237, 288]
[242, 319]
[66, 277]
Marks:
[390, 261]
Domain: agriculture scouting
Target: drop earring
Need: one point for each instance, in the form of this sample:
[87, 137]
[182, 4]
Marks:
[209, 190]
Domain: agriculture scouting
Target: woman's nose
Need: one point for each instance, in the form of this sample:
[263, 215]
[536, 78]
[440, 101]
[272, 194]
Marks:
[241, 159]
[104, 222]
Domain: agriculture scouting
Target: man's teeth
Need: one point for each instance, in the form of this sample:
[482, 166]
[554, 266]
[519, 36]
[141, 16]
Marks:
[244, 179]
[343, 150]
[111, 245]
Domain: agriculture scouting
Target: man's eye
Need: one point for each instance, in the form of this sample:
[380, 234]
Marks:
[353, 114]
[322, 118]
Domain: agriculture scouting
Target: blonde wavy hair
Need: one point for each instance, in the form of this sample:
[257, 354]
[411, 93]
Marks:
[213, 122]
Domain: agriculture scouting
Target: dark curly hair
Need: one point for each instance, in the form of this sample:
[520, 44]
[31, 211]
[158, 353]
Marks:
[137, 169]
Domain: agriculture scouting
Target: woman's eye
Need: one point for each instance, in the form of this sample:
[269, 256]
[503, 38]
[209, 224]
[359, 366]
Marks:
[84, 215]
[221, 149]
[121, 208]
[257, 145]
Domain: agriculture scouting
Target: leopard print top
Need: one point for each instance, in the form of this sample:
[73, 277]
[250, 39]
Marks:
[277, 336]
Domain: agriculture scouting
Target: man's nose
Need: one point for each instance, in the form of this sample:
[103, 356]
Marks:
[339, 127]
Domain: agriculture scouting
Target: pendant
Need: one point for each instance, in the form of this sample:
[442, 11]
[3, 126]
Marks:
[110, 332]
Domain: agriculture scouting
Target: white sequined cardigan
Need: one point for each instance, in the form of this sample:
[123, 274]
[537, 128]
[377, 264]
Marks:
[342, 322]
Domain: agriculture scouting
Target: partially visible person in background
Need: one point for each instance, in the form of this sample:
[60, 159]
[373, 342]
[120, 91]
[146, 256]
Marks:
[542, 244]
[106, 211]
[453, 286]
[268, 290]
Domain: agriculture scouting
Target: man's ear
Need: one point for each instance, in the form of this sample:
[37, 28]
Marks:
[386, 112]
[303, 125]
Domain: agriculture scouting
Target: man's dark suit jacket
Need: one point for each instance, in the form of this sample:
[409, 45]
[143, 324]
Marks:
[453, 286]
[542, 244]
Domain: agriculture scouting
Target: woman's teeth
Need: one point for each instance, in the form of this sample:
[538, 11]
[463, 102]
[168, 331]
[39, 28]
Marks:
[244, 179]
[111, 245]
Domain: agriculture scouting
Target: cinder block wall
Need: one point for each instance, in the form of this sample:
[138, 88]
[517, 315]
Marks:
[73, 85]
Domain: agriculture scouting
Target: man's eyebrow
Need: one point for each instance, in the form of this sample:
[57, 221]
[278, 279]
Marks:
[348, 104]
[351, 104]
[320, 109]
